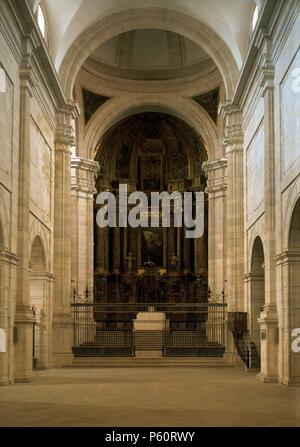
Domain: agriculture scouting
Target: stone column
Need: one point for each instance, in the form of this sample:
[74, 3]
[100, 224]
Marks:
[62, 317]
[200, 248]
[216, 189]
[171, 240]
[235, 209]
[23, 316]
[288, 280]
[102, 242]
[8, 270]
[83, 176]
[234, 289]
[179, 247]
[116, 250]
[186, 253]
[269, 319]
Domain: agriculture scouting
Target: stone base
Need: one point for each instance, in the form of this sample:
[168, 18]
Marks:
[60, 360]
[155, 353]
[294, 381]
[230, 358]
[4, 381]
[62, 336]
[25, 378]
[150, 321]
[267, 378]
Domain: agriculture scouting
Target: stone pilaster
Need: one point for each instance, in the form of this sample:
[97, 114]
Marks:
[8, 271]
[268, 319]
[102, 242]
[216, 171]
[233, 144]
[23, 316]
[62, 318]
[83, 176]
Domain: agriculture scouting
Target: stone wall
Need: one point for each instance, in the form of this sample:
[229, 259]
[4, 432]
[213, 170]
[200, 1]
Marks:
[29, 106]
[270, 105]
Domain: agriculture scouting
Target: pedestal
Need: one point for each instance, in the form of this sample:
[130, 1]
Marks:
[269, 344]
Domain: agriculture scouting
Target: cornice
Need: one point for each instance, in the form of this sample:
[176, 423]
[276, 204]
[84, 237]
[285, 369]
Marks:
[270, 11]
[10, 38]
[106, 84]
[27, 26]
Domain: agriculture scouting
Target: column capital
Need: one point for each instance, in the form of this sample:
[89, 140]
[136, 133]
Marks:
[264, 43]
[269, 314]
[288, 257]
[214, 165]
[266, 78]
[216, 171]
[64, 134]
[9, 257]
[83, 174]
[233, 130]
[28, 77]
[229, 110]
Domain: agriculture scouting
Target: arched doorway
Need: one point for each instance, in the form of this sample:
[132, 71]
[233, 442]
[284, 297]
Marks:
[257, 292]
[40, 304]
[294, 292]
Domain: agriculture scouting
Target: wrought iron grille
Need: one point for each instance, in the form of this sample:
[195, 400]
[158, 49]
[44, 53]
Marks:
[106, 329]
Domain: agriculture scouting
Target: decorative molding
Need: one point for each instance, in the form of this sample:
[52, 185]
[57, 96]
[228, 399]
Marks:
[26, 24]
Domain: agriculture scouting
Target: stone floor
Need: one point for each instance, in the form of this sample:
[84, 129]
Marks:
[115, 397]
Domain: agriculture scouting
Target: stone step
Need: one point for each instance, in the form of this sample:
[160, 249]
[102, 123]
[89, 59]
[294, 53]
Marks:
[126, 362]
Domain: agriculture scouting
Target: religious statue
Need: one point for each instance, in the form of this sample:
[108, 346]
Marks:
[173, 263]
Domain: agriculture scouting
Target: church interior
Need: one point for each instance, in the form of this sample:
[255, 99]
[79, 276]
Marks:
[171, 96]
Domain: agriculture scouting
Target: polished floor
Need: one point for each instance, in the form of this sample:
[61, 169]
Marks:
[162, 396]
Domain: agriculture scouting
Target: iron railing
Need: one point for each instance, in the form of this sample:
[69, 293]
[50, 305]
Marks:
[107, 329]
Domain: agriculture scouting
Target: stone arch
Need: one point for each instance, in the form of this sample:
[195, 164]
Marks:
[186, 109]
[112, 156]
[37, 255]
[293, 303]
[288, 212]
[257, 289]
[39, 301]
[160, 18]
